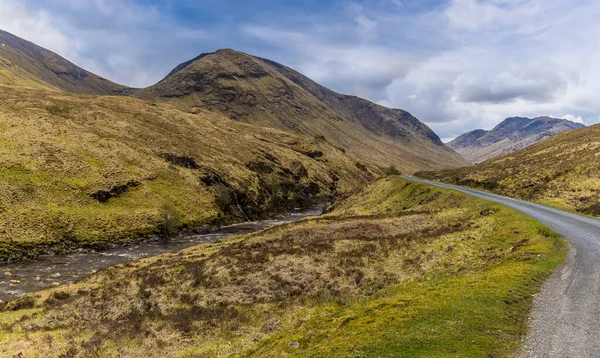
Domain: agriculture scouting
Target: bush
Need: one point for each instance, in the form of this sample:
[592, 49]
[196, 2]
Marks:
[21, 303]
[362, 167]
[391, 170]
[61, 295]
[59, 110]
[170, 221]
[223, 197]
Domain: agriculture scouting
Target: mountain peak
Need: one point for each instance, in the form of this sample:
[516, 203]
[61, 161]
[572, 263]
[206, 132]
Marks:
[258, 91]
[468, 138]
[227, 51]
[510, 135]
[220, 61]
[263, 92]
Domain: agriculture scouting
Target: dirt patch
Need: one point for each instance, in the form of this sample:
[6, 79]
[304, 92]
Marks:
[181, 161]
[103, 196]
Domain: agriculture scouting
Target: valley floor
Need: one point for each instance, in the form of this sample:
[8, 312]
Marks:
[398, 269]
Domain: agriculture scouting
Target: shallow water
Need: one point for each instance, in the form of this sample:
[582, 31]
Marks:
[24, 277]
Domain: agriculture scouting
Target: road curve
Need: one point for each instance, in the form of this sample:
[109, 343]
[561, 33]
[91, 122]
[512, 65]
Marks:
[566, 317]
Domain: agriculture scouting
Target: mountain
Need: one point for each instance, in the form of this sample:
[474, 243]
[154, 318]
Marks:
[231, 138]
[45, 66]
[95, 171]
[561, 171]
[257, 91]
[509, 136]
[265, 93]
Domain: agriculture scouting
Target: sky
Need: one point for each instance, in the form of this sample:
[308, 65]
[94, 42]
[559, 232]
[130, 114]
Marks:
[457, 65]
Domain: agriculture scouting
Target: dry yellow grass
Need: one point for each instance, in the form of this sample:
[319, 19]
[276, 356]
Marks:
[424, 272]
[63, 155]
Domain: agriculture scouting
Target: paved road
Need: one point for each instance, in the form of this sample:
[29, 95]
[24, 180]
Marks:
[565, 321]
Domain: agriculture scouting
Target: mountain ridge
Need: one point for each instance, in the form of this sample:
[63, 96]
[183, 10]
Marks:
[263, 92]
[55, 70]
[510, 135]
[260, 92]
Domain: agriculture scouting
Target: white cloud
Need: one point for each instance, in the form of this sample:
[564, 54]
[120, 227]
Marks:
[468, 64]
[363, 70]
[572, 118]
[131, 43]
[457, 66]
[366, 27]
[36, 25]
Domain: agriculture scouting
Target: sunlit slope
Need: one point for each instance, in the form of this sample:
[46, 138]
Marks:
[48, 67]
[12, 75]
[260, 92]
[91, 171]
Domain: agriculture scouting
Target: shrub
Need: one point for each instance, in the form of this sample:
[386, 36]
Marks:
[170, 221]
[21, 303]
[59, 110]
[391, 170]
[362, 167]
[223, 197]
[61, 295]
[314, 154]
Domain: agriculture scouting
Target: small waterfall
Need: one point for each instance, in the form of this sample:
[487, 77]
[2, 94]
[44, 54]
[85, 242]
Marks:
[237, 203]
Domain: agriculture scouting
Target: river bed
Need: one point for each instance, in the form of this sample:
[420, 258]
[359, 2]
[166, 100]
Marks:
[17, 279]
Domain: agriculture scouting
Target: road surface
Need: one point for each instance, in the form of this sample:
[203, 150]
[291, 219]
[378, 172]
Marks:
[565, 321]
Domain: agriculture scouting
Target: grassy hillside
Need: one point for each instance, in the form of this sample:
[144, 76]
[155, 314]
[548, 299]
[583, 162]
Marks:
[90, 171]
[47, 67]
[13, 75]
[562, 171]
[399, 269]
[262, 92]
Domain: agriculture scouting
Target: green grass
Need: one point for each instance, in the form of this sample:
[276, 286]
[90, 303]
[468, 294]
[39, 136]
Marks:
[473, 315]
[481, 313]
[59, 149]
[398, 269]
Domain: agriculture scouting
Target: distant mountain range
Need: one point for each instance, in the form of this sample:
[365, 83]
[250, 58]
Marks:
[511, 135]
[561, 171]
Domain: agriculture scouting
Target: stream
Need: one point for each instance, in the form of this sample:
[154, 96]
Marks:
[19, 278]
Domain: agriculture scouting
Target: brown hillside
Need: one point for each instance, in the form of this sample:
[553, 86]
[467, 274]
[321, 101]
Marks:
[258, 91]
[48, 67]
[93, 171]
